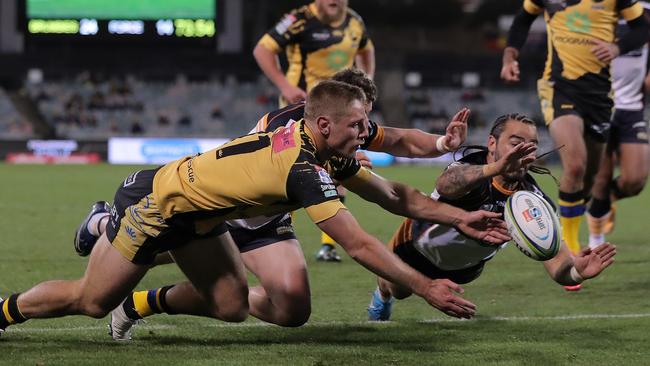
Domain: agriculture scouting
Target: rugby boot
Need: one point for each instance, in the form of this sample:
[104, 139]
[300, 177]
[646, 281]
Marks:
[327, 253]
[121, 326]
[378, 309]
[84, 241]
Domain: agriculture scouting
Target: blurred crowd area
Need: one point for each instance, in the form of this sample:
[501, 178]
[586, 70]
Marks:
[95, 107]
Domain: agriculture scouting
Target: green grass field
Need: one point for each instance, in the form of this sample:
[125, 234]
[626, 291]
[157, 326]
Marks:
[121, 9]
[523, 316]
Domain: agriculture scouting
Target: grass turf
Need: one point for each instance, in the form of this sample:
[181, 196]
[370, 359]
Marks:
[523, 316]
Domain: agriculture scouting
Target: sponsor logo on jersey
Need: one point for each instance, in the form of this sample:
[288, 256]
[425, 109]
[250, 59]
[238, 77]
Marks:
[324, 177]
[130, 179]
[322, 36]
[578, 22]
[285, 23]
[331, 193]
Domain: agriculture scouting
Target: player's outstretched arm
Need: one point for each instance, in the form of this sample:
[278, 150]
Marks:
[459, 179]
[568, 270]
[414, 143]
[404, 200]
[372, 254]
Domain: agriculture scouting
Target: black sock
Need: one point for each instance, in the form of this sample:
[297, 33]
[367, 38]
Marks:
[9, 313]
[599, 207]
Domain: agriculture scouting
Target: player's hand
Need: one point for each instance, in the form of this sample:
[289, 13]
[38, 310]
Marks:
[293, 94]
[510, 71]
[363, 159]
[590, 262]
[605, 51]
[443, 295]
[518, 158]
[456, 132]
[484, 226]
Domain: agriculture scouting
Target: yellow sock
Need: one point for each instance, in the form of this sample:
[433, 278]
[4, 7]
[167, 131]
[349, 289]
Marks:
[570, 231]
[144, 303]
[572, 208]
[326, 239]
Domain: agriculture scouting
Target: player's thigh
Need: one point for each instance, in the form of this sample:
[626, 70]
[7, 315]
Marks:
[109, 276]
[213, 266]
[634, 161]
[568, 131]
[280, 268]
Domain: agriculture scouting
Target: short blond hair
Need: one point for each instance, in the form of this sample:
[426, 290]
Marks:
[331, 98]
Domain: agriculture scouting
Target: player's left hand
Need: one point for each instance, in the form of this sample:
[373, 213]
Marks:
[363, 159]
[456, 132]
[605, 51]
[485, 226]
[590, 262]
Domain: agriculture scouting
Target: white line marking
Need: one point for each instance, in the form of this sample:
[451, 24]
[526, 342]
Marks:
[317, 324]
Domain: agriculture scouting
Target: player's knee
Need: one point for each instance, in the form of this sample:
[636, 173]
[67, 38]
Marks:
[575, 170]
[296, 310]
[232, 308]
[95, 309]
[631, 187]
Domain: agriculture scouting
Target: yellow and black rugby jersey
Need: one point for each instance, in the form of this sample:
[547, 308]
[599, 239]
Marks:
[316, 51]
[295, 112]
[572, 25]
[254, 175]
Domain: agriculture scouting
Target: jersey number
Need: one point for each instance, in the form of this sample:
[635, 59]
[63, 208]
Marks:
[244, 147]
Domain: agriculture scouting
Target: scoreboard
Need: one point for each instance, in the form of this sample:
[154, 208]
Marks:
[130, 21]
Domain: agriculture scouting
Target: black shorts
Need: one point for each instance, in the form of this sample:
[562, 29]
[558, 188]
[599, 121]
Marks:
[275, 231]
[594, 108]
[136, 227]
[628, 127]
[422, 264]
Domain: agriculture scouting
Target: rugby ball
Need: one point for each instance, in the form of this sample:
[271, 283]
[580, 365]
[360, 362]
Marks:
[533, 225]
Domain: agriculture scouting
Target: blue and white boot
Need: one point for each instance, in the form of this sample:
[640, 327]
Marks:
[378, 309]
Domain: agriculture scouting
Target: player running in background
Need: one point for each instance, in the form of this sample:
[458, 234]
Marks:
[574, 90]
[320, 39]
[483, 179]
[628, 140]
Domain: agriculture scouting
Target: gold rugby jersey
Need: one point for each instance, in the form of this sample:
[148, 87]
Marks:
[254, 175]
[316, 51]
[572, 25]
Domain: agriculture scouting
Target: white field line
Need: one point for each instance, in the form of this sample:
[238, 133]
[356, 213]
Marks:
[317, 324]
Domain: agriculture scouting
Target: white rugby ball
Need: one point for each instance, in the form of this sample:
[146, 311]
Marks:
[533, 225]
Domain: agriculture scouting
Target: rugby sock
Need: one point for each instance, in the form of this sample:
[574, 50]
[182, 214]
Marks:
[326, 239]
[94, 224]
[572, 207]
[9, 313]
[141, 304]
[598, 217]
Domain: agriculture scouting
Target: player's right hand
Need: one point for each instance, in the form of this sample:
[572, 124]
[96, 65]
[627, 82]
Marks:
[293, 94]
[444, 295]
[520, 157]
[510, 72]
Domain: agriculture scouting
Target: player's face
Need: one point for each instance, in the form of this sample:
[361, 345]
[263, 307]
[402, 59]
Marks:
[332, 10]
[513, 134]
[349, 131]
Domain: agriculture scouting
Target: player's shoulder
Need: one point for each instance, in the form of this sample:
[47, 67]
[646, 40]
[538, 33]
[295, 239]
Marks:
[354, 15]
[284, 116]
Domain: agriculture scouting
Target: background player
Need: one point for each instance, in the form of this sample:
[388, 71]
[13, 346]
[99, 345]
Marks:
[628, 140]
[320, 39]
[483, 179]
[574, 90]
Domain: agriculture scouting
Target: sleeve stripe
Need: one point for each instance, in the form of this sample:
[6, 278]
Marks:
[269, 43]
[632, 12]
[532, 8]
